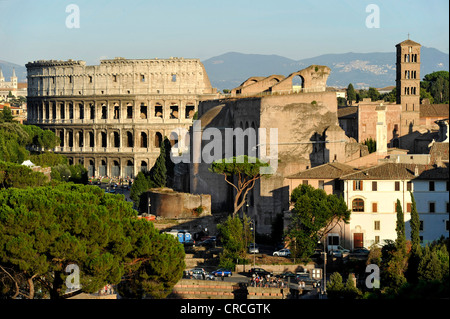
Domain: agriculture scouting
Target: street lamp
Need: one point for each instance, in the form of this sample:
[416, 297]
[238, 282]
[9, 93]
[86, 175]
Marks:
[324, 289]
[253, 228]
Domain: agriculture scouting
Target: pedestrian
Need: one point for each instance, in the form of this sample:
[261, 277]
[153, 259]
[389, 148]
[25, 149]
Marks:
[223, 275]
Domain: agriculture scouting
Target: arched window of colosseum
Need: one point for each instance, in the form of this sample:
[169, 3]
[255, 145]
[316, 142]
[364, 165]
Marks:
[61, 138]
[116, 139]
[158, 110]
[80, 139]
[116, 111]
[102, 168]
[129, 169]
[47, 110]
[91, 139]
[158, 139]
[91, 168]
[62, 111]
[129, 111]
[53, 110]
[81, 108]
[144, 166]
[103, 137]
[143, 140]
[115, 169]
[70, 138]
[174, 111]
[71, 111]
[104, 111]
[190, 111]
[130, 139]
[143, 111]
[92, 111]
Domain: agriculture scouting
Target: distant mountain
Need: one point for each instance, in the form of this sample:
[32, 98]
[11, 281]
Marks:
[7, 70]
[363, 70]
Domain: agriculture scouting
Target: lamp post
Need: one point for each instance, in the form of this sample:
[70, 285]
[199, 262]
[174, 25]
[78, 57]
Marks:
[253, 228]
[324, 286]
[148, 204]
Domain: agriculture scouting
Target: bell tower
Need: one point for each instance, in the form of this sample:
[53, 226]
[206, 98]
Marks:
[408, 89]
[408, 75]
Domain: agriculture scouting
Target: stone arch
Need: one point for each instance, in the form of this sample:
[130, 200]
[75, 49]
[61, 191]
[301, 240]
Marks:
[143, 139]
[158, 139]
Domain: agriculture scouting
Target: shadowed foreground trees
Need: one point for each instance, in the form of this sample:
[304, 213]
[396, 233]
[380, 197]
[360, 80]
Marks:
[44, 229]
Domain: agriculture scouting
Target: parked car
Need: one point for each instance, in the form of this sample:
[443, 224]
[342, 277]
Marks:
[285, 252]
[339, 252]
[253, 249]
[220, 271]
[210, 242]
[286, 275]
[360, 252]
[306, 278]
[210, 276]
[259, 271]
[197, 273]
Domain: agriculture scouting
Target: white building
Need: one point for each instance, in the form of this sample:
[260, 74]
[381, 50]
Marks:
[371, 195]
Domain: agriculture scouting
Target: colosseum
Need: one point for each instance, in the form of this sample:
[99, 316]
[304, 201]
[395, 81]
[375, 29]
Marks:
[112, 117]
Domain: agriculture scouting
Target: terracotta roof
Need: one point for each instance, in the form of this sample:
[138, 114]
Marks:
[348, 111]
[408, 42]
[439, 150]
[434, 110]
[399, 171]
[325, 171]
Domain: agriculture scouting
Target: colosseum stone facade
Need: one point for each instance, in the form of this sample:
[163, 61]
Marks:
[112, 117]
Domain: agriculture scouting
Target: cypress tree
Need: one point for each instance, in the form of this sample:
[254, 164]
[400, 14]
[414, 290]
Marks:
[351, 94]
[158, 173]
[415, 225]
[400, 243]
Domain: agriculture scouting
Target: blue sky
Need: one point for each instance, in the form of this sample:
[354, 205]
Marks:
[36, 29]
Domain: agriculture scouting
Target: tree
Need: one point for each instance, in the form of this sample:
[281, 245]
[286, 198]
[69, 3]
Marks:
[371, 144]
[335, 286]
[158, 173]
[351, 94]
[6, 115]
[415, 225]
[141, 184]
[247, 171]
[373, 94]
[44, 229]
[19, 176]
[235, 234]
[314, 215]
[400, 243]
[437, 85]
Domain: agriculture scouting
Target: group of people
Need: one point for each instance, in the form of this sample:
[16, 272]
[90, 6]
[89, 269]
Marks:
[266, 282]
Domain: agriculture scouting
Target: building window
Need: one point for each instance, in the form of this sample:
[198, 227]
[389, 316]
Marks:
[358, 205]
[305, 182]
[114, 78]
[397, 186]
[431, 186]
[321, 184]
[374, 207]
[374, 186]
[421, 225]
[446, 225]
[409, 186]
[174, 77]
[432, 207]
[376, 225]
[357, 185]
[377, 239]
[142, 78]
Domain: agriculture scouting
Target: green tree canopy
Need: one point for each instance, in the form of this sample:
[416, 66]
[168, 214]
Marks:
[437, 85]
[246, 169]
[351, 94]
[43, 229]
[315, 214]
